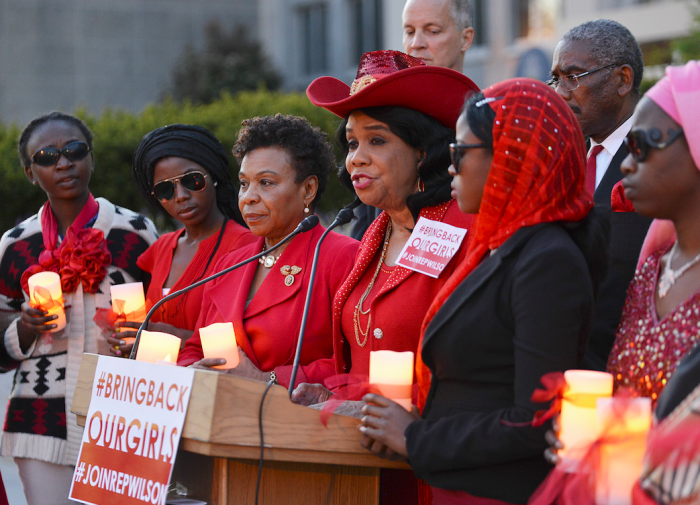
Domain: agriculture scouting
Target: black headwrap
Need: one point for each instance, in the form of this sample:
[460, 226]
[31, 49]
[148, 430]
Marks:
[194, 143]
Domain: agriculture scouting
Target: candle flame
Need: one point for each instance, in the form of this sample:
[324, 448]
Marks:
[168, 358]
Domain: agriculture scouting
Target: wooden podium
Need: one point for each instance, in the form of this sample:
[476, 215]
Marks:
[218, 459]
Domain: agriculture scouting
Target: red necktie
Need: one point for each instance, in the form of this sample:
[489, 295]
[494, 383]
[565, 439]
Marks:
[591, 168]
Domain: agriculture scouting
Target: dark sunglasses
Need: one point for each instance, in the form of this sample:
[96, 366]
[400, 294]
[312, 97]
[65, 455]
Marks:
[191, 181]
[640, 142]
[49, 156]
[457, 151]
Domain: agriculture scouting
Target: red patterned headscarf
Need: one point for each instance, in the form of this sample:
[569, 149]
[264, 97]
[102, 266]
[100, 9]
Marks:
[537, 176]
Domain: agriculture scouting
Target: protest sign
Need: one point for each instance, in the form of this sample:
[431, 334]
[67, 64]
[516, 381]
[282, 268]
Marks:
[132, 431]
[431, 247]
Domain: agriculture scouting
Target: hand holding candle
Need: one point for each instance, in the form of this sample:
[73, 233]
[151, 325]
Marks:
[392, 373]
[219, 341]
[45, 294]
[579, 425]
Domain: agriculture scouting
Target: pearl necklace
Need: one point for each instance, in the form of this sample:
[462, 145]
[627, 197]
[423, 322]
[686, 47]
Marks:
[670, 276]
[269, 260]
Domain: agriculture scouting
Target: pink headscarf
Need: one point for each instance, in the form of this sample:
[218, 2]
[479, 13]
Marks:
[678, 94]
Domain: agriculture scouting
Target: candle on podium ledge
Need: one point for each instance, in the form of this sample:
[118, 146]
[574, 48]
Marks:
[128, 302]
[45, 293]
[155, 346]
[219, 341]
[392, 373]
[578, 420]
[624, 424]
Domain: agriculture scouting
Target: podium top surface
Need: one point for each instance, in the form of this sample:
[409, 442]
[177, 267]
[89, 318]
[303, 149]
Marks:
[222, 421]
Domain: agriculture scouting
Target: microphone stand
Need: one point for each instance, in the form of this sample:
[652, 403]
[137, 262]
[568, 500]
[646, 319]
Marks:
[344, 216]
[306, 225]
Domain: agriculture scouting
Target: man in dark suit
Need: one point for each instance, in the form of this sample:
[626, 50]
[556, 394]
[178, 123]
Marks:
[597, 69]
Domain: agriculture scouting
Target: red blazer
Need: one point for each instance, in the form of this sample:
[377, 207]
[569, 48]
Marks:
[182, 312]
[400, 306]
[267, 330]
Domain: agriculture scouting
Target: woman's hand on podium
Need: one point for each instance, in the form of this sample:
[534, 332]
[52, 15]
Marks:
[310, 394]
[383, 425]
[245, 368]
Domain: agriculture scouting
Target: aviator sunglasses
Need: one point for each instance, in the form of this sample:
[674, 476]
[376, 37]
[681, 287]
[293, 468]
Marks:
[49, 156]
[640, 142]
[191, 181]
[457, 151]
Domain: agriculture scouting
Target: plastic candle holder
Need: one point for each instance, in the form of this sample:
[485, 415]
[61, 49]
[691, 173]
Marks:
[624, 423]
[128, 301]
[45, 293]
[392, 373]
[219, 341]
[155, 346]
[578, 420]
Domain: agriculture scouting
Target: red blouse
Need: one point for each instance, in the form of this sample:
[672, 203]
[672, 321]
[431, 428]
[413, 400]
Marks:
[268, 328]
[398, 301]
[182, 312]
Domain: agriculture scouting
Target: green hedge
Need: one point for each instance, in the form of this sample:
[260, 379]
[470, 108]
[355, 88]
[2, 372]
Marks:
[117, 134]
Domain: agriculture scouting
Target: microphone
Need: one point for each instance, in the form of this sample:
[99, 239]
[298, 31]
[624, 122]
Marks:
[344, 216]
[306, 225]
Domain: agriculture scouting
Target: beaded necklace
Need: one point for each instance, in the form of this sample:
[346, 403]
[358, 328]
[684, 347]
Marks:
[358, 308]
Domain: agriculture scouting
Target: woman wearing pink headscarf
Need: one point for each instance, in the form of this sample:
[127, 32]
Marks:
[661, 320]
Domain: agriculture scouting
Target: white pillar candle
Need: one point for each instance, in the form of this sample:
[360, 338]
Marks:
[155, 345]
[129, 299]
[44, 291]
[392, 373]
[219, 341]
[625, 422]
[578, 421]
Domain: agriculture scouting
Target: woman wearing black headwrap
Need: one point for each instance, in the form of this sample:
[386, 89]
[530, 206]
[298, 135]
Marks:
[183, 170]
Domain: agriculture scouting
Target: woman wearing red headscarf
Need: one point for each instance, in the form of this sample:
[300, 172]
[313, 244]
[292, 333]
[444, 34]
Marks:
[518, 307]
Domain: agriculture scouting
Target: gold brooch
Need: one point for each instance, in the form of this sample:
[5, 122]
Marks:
[289, 272]
[361, 83]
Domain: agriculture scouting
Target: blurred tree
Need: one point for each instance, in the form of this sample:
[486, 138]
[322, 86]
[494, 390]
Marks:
[118, 133]
[230, 62]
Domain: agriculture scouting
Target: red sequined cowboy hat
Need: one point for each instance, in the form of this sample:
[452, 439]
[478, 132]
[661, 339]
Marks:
[393, 78]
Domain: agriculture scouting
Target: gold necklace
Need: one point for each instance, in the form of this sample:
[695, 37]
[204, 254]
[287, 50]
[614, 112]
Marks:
[358, 308]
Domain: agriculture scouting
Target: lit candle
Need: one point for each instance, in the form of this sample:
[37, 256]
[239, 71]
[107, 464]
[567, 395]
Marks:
[128, 301]
[219, 341]
[624, 423]
[155, 345]
[578, 421]
[45, 293]
[392, 373]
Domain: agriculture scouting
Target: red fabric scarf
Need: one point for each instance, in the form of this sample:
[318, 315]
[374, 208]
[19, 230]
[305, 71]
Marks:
[538, 175]
[82, 257]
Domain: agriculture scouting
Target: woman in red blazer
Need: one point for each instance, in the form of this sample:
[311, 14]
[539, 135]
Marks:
[285, 166]
[395, 139]
[183, 171]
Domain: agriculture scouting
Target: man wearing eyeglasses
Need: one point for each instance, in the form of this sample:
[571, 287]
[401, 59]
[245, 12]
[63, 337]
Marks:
[597, 69]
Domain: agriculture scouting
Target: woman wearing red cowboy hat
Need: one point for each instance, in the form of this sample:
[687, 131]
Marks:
[519, 306]
[398, 120]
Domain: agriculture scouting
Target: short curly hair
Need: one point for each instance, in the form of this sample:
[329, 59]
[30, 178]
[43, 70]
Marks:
[308, 148]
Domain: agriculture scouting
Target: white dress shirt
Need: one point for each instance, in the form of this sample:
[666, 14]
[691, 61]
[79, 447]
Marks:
[610, 145]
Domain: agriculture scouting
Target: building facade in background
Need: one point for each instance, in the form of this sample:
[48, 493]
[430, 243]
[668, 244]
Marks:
[309, 38]
[62, 54]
